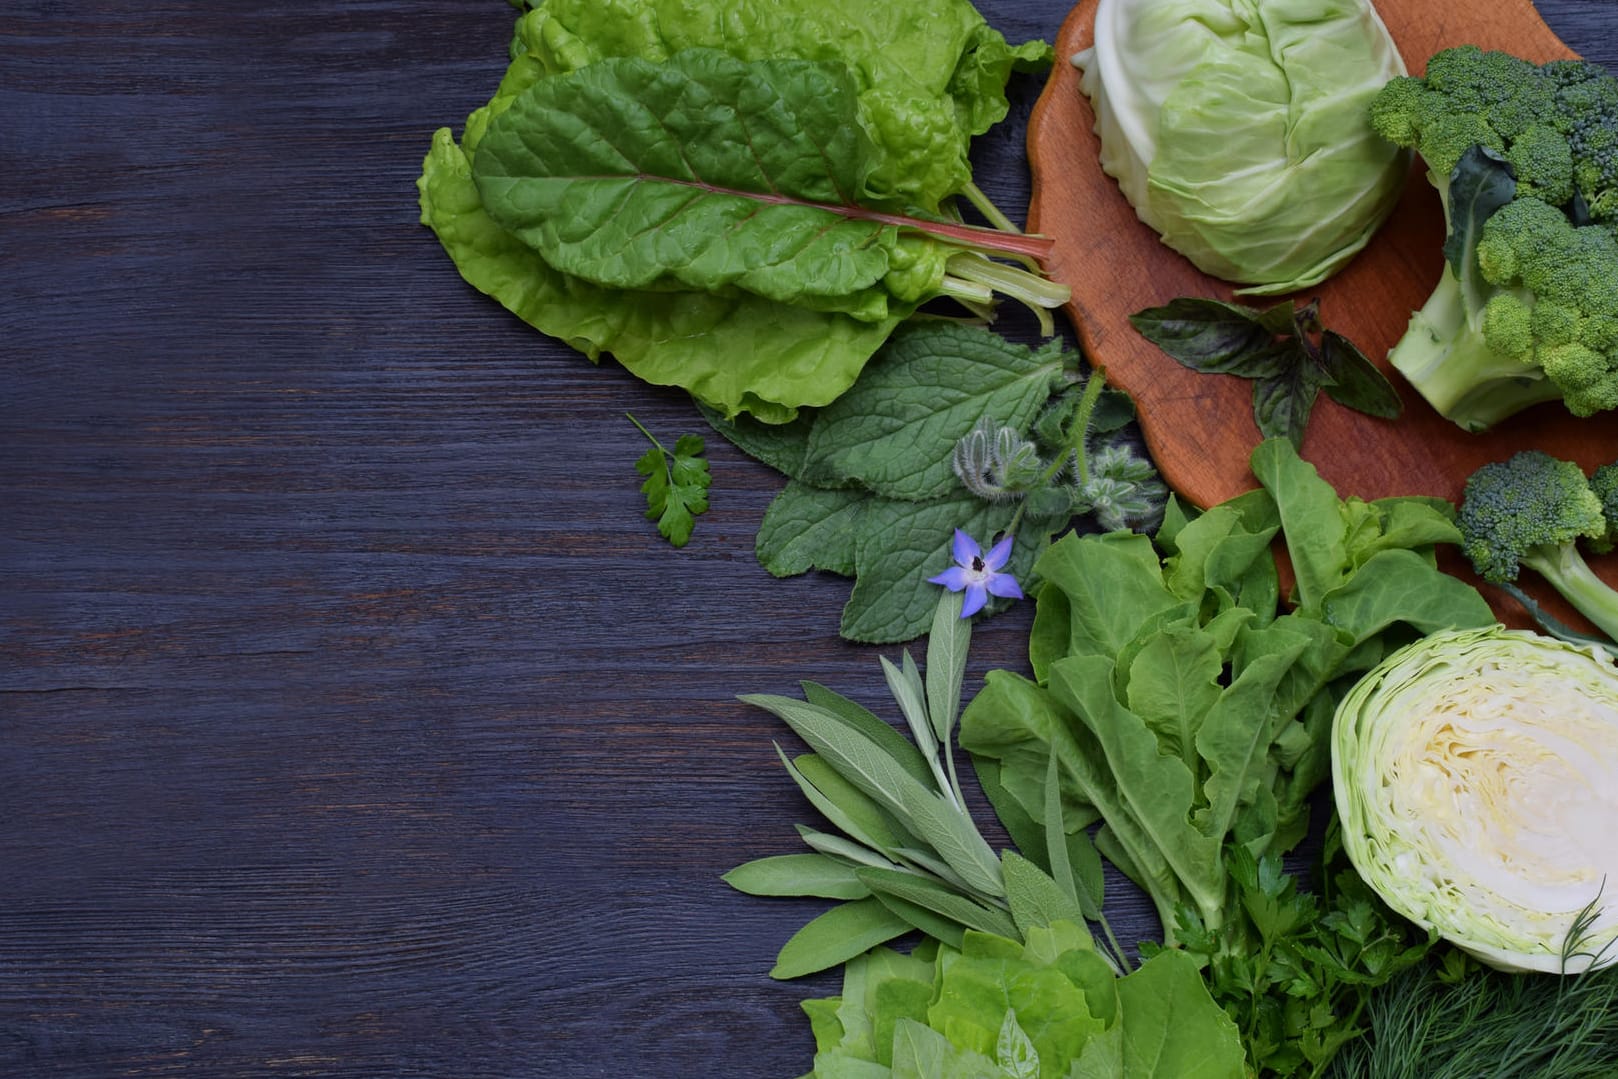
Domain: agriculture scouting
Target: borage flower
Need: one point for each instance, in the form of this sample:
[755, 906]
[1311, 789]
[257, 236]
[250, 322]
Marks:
[978, 574]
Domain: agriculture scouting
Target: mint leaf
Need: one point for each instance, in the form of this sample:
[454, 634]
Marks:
[676, 485]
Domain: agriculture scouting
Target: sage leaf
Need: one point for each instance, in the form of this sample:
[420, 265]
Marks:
[950, 832]
[797, 875]
[925, 921]
[947, 645]
[837, 936]
[855, 756]
[854, 816]
[939, 899]
[862, 719]
[906, 686]
[1036, 899]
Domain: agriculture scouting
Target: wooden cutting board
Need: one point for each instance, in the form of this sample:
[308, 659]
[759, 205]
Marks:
[1198, 427]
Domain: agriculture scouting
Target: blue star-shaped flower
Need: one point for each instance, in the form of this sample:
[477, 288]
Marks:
[978, 574]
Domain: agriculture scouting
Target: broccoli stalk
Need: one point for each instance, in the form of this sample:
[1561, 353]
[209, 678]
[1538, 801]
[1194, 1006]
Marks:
[1565, 569]
[1446, 356]
[1531, 511]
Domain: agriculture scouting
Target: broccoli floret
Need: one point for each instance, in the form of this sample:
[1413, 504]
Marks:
[1531, 511]
[1527, 309]
[1604, 482]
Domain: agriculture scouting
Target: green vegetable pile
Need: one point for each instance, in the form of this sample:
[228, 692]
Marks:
[949, 427]
[759, 201]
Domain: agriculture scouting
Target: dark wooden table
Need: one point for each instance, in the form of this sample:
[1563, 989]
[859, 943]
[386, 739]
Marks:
[353, 722]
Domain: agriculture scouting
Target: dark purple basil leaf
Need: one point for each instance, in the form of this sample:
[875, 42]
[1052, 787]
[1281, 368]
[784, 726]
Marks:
[1281, 405]
[1353, 381]
[1206, 335]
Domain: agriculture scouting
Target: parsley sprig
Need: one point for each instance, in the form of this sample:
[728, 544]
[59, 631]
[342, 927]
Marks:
[676, 485]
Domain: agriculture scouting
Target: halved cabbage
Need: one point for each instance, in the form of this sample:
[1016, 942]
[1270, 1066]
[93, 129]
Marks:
[1476, 776]
[1240, 130]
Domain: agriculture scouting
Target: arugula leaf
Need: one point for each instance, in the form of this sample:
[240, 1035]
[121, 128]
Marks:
[676, 485]
[1286, 352]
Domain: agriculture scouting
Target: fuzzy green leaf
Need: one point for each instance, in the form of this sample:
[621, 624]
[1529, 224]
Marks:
[797, 875]
[837, 936]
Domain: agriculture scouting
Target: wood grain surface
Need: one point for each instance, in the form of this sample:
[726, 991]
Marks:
[353, 722]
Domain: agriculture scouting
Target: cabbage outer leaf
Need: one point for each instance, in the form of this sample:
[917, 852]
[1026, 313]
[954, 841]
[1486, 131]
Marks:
[1239, 130]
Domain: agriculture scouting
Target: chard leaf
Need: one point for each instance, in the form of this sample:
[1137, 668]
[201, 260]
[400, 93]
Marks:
[928, 79]
[797, 875]
[837, 936]
[703, 172]
[736, 353]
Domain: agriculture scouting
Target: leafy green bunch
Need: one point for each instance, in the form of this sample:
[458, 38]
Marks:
[745, 207]
[995, 1008]
[909, 856]
[1187, 704]
[950, 426]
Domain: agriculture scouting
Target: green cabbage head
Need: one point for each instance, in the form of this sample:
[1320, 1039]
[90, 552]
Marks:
[1239, 130]
[1476, 776]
